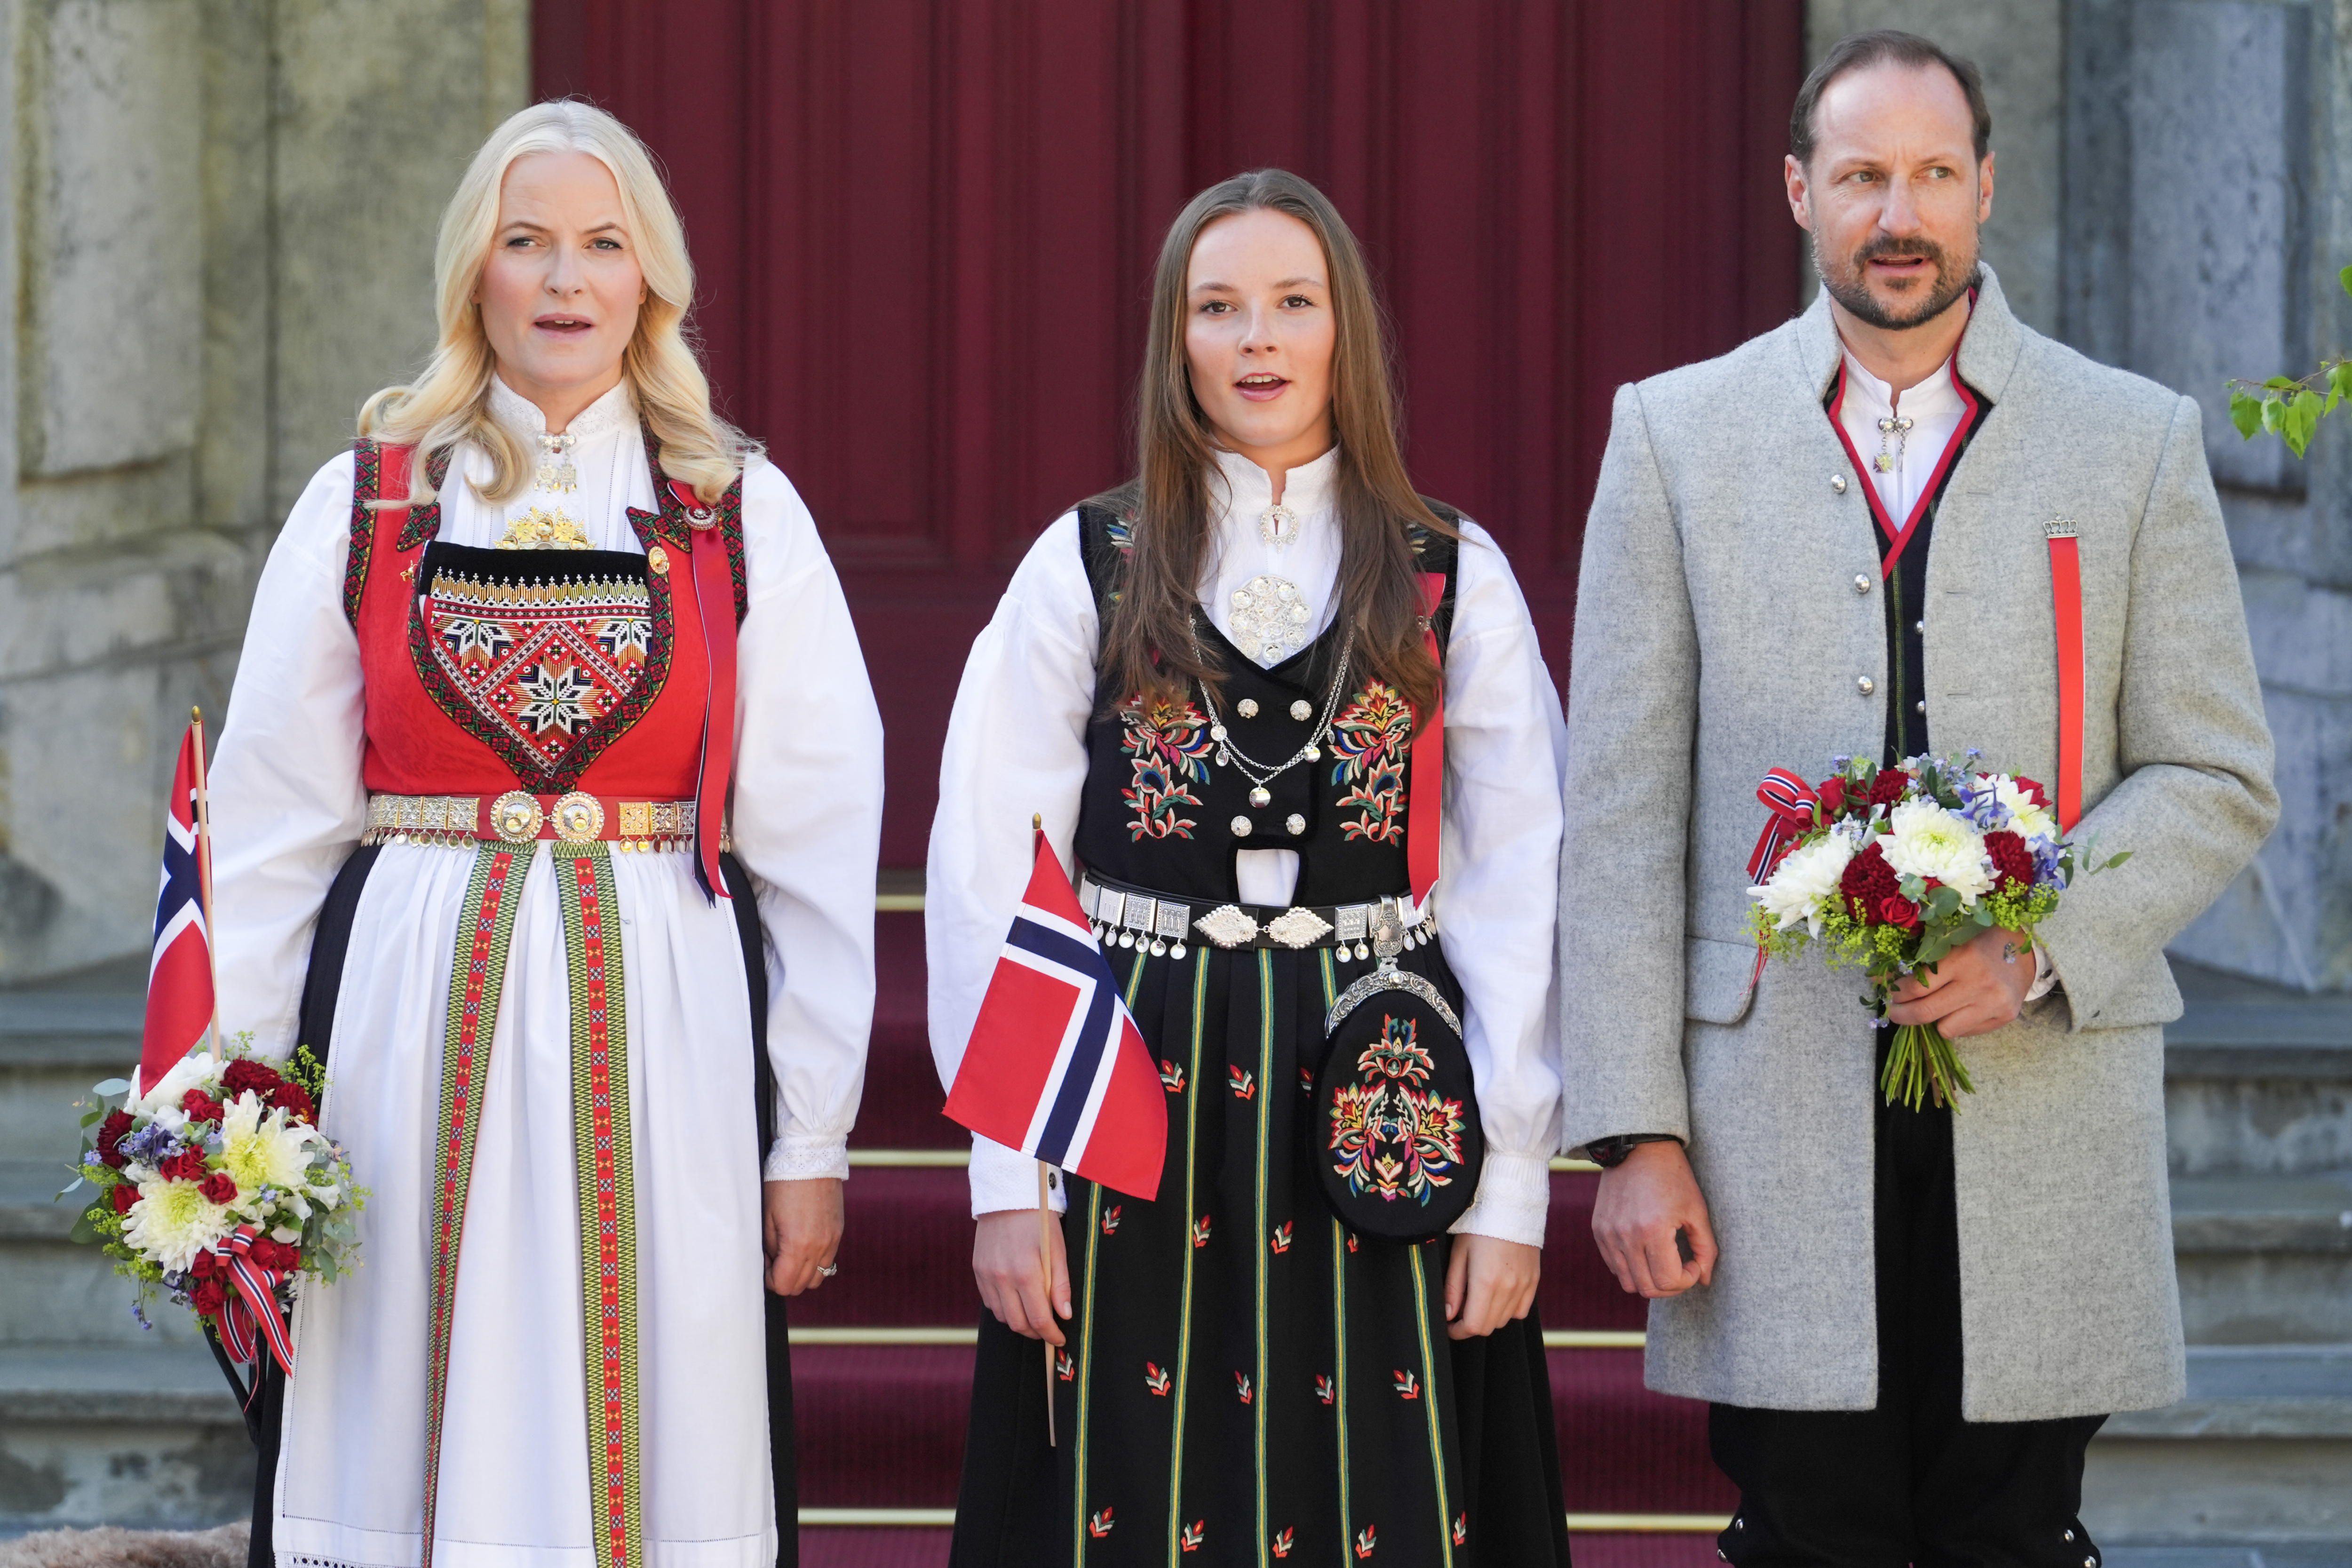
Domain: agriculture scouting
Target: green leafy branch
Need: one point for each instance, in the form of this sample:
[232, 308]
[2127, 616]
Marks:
[2290, 408]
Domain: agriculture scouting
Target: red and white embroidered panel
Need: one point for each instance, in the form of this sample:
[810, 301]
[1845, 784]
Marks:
[540, 662]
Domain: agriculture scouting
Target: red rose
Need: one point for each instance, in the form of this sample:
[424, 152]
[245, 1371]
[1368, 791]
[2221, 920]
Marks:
[2012, 862]
[1868, 882]
[295, 1100]
[1833, 794]
[220, 1187]
[282, 1256]
[1887, 787]
[200, 1106]
[208, 1297]
[111, 1133]
[187, 1165]
[206, 1263]
[2033, 792]
[1899, 910]
[246, 1074]
[124, 1195]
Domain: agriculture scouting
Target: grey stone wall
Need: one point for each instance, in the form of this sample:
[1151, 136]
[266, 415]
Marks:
[2175, 196]
[220, 238]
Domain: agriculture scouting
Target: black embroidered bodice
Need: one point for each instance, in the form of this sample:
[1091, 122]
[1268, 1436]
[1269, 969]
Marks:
[1159, 812]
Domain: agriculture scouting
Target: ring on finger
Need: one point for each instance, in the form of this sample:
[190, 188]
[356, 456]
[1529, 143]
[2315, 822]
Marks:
[827, 1270]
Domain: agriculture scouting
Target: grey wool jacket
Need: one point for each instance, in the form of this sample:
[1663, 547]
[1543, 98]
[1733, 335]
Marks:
[1719, 634]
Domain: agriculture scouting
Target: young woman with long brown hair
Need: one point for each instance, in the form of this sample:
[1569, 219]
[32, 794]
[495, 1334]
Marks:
[1213, 684]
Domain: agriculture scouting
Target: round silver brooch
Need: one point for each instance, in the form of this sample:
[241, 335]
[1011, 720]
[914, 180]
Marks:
[578, 818]
[515, 816]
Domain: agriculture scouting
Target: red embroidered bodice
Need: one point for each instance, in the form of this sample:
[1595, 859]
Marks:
[543, 670]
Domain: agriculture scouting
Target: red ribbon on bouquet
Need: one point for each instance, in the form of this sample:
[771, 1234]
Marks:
[251, 1314]
[1791, 802]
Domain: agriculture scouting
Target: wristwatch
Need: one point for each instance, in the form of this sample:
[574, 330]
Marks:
[1609, 1153]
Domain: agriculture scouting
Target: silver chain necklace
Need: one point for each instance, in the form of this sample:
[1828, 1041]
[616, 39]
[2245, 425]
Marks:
[1229, 750]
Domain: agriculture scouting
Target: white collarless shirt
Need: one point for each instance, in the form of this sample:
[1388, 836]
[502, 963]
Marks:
[1935, 410]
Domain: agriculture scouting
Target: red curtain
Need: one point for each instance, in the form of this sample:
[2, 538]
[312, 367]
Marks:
[925, 230]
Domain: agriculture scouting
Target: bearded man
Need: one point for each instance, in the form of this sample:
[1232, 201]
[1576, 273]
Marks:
[1836, 539]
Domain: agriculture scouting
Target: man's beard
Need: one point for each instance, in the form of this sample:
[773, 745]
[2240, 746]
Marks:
[1849, 289]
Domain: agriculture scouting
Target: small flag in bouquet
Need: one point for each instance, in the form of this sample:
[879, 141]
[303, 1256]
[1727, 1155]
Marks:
[213, 1180]
[1890, 870]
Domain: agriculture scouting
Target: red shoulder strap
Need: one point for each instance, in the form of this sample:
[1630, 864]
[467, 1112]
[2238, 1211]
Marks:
[714, 603]
[2066, 602]
[378, 472]
[1425, 785]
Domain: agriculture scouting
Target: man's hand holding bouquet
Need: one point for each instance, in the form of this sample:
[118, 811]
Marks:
[1891, 869]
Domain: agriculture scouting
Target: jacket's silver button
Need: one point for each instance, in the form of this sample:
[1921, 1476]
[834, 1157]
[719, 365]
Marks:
[2070, 1537]
[1862, 583]
[1241, 827]
[1864, 685]
[1920, 706]
[1837, 483]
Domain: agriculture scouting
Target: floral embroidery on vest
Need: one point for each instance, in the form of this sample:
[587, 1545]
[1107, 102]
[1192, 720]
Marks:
[1391, 1137]
[1168, 745]
[1370, 739]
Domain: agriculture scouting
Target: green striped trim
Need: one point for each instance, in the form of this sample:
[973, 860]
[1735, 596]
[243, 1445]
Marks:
[607, 1199]
[1085, 1362]
[1429, 1403]
[1184, 1309]
[1340, 1324]
[478, 973]
[1258, 1247]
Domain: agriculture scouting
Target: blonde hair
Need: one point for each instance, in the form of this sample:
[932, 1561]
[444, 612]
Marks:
[450, 401]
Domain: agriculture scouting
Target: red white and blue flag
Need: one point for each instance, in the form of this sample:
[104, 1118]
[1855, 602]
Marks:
[1056, 1068]
[180, 971]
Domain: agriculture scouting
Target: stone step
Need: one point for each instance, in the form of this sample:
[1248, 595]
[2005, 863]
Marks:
[96, 1435]
[2264, 1259]
[54, 1291]
[2257, 1078]
[54, 1046]
[2260, 1452]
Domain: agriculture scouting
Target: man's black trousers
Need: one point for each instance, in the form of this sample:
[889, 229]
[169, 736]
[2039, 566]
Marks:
[1909, 1482]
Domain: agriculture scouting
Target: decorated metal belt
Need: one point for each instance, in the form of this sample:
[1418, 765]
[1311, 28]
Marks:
[516, 818]
[1127, 916]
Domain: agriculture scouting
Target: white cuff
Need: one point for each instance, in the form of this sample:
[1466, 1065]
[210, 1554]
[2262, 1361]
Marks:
[1005, 1178]
[804, 1157]
[2044, 976]
[1513, 1195]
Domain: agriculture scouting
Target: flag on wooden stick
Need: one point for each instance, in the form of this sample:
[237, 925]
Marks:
[180, 1001]
[1055, 1067]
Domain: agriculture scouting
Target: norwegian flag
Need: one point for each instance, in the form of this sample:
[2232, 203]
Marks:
[1056, 1068]
[180, 971]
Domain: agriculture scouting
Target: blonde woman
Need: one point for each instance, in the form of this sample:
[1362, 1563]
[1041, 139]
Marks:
[506, 661]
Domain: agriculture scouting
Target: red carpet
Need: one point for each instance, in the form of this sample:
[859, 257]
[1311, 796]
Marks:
[883, 1427]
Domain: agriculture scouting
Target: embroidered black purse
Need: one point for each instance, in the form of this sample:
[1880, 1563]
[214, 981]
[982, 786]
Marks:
[1399, 1142]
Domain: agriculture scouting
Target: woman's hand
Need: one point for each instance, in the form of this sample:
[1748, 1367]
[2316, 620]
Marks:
[800, 1231]
[1489, 1283]
[1004, 1262]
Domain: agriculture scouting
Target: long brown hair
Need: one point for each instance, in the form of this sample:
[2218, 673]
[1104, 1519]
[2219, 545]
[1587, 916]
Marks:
[1148, 647]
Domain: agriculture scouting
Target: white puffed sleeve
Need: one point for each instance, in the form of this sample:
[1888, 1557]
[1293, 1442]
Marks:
[287, 803]
[1016, 747]
[808, 823]
[1498, 890]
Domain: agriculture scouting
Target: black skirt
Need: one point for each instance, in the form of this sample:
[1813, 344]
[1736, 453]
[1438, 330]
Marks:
[1247, 1381]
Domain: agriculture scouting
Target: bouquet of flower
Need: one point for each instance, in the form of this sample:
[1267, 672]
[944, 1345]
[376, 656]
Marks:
[1891, 869]
[218, 1186]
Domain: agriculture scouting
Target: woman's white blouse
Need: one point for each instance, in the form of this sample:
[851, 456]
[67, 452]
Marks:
[1016, 745]
[288, 804]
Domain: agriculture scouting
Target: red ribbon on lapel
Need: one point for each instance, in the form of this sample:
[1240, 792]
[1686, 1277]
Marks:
[251, 1314]
[714, 603]
[2066, 603]
[1426, 785]
[1791, 802]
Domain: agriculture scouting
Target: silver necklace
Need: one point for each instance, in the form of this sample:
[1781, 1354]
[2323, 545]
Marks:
[1900, 426]
[1229, 750]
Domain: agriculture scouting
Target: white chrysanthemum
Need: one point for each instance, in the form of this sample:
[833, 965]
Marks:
[1924, 840]
[172, 1221]
[196, 1068]
[259, 1150]
[2026, 819]
[1800, 889]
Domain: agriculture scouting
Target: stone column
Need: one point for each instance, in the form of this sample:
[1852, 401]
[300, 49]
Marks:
[220, 240]
[2208, 207]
